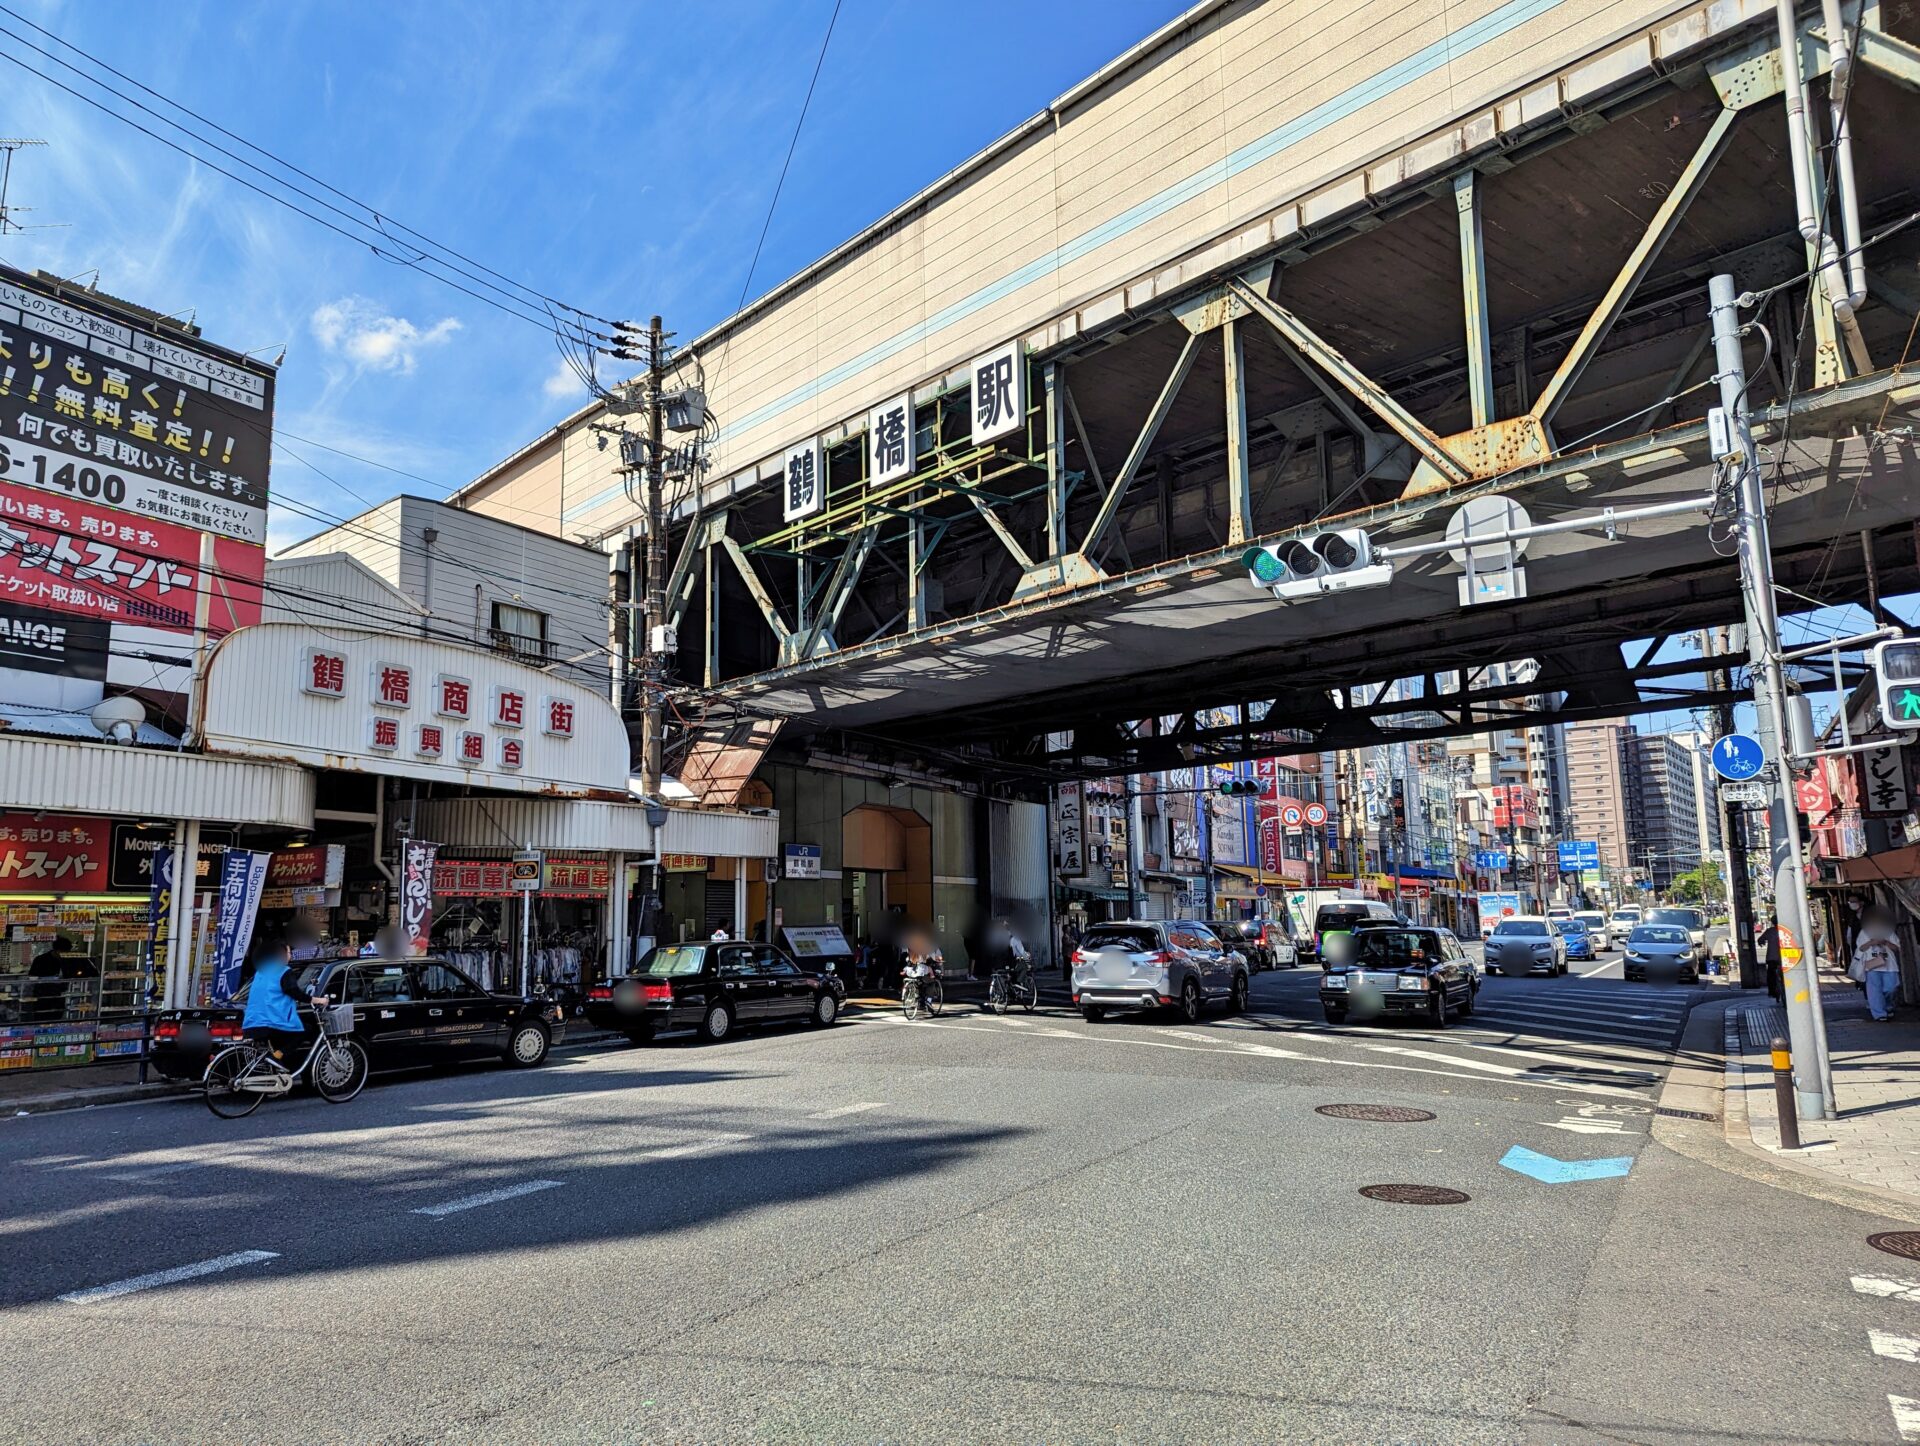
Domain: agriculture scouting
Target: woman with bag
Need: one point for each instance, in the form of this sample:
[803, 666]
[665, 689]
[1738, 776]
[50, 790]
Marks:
[1876, 962]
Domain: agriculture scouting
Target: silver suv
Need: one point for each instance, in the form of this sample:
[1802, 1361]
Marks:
[1156, 965]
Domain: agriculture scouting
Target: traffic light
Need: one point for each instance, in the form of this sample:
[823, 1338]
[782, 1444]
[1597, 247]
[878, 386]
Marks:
[1322, 562]
[1240, 788]
[1897, 667]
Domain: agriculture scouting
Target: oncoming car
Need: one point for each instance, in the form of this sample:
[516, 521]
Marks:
[1526, 944]
[1580, 942]
[1421, 972]
[1659, 948]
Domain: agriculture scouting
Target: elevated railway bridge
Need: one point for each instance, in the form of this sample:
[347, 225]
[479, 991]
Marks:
[986, 474]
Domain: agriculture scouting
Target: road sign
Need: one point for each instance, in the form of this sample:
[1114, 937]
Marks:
[524, 872]
[1490, 859]
[1737, 757]
[1744, 795]
[1579, 854]
[1316, 814]
[1292, 815]
[1897, 665]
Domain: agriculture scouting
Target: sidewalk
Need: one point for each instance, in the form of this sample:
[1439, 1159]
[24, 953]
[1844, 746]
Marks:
[1875, 1141]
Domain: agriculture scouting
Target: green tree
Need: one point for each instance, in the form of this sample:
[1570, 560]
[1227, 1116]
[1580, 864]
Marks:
[1701, 885]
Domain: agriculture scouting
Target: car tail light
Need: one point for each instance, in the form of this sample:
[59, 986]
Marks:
[600, 992]
[224, 1029]
[656, 992]
[167, 1029]
[1158, 956]
[1081, 956]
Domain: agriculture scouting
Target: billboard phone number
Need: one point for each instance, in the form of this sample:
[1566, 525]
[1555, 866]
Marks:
[88, 482]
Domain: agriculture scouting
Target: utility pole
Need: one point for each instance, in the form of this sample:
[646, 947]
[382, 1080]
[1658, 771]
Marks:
[654, 670]
[1806, 1021]
[1733, 838]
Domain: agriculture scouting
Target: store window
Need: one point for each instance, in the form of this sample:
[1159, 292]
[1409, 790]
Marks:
[520, 631]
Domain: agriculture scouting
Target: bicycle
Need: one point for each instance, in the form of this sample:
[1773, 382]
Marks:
[242, 1075]
[919, 995]
[1006, 989]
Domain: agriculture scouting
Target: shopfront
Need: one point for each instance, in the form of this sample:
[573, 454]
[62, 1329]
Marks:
[477, 915]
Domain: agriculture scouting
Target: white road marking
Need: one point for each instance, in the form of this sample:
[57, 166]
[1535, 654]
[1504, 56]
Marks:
[1899, 1348]
[154, 1172]
[677, 1152]
[487, 1197]
[1574, 1125]
[849, 1110]
[1597, 969]
[168, 1277]
[1486, 1066]
[1906, 1417]
[1556, 1029]
[1887, 1287]
[1585, 1014]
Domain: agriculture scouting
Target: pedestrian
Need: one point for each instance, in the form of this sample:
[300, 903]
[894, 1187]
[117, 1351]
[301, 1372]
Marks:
[1876, 962]
[1770, 950]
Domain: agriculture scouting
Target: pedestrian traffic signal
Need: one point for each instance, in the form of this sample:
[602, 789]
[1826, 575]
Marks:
[1319, 563]
[1897, 666]
[1240, 788]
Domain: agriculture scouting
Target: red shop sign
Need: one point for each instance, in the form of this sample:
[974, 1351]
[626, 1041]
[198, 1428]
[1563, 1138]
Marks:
[54, 854]
[92, 561]
[297, 868]
[472, 878]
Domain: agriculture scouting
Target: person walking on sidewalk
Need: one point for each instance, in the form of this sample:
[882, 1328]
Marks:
[1876, 962]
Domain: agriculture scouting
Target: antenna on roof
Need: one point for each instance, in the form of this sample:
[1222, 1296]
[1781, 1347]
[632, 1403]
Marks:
[9, 226]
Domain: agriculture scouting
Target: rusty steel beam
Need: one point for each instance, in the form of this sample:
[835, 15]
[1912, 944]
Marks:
[1328, 359]
[1110, 506]
[1001, 531]
[758, 590]
[1666, 219]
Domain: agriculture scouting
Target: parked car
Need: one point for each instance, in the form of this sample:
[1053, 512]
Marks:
[1403, 971]
[713, 988]
[1658, 948]
[1141, 964]
[1265, 945]
[407, 1013]
[1580, 943]
[1596, 923]
[1526, 944]
[1341, 917]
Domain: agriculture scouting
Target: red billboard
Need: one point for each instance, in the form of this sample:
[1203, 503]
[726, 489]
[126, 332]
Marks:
[54, 853]
[78, 557]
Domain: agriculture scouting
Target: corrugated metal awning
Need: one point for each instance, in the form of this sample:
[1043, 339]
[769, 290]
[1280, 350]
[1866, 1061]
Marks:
[573, 823]
[80, 777]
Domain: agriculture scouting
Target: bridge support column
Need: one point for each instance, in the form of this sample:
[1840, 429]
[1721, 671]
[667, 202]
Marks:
[1239, 485]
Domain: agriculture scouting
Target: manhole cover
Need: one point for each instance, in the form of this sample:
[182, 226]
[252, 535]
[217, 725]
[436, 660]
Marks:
[1414, 1194]
[1686, 1114]
[1379, 1114]
[1903, 1243]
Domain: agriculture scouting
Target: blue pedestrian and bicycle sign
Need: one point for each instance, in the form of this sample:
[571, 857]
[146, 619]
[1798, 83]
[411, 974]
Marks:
[1737, 757]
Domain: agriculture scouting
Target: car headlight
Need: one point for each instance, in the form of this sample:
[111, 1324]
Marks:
[1413, 981]
[1336, 981]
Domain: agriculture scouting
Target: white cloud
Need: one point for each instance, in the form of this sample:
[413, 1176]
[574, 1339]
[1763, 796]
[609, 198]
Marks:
[561, 384]
[358, 329]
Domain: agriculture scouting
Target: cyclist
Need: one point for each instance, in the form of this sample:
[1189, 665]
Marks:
[272, 1017]
[922, 961]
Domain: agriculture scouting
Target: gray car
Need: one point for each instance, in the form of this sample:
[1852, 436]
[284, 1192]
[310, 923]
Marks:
[1152, 964]
[1526, 944]
[1661, 949]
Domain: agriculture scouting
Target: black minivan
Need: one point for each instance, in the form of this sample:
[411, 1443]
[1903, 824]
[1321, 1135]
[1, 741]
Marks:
[712, 989]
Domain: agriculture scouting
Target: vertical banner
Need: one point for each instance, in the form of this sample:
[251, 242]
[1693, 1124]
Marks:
[416, 893]
[243, 876]
[159, 911]
[1073, 831]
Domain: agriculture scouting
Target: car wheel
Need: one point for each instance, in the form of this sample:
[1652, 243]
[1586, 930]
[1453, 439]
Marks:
[1237, 1000]
[1092, 1013]
[1437, 1009]
[1466, 1003]
[1335, 1016]
[716, 1023]
[826, 1008]
[1190, 1002]
[527, 1045]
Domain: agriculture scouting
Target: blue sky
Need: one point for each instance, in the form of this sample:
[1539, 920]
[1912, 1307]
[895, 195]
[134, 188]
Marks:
[619, 157]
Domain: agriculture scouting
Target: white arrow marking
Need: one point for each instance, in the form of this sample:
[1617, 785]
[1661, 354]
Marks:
[1887, 1287]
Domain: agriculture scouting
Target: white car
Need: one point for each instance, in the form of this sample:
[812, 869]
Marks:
[1597, 926]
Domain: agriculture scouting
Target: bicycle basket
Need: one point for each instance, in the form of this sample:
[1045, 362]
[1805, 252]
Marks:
[337, 1019]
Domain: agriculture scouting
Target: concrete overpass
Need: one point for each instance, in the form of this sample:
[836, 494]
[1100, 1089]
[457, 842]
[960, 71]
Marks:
[1280, 266]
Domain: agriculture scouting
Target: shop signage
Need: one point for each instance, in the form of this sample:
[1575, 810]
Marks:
[416, 893]
[523, 873]
[154, 423]
[37, 641]
[243, 877]
[135, 848]
[821, 941]
[318, 867]
[412, 709]
[561, 878]
[1883, 780]
[803, 861]
[88, 560]
[159, 915]
[684, 863]
[576, 879]
[54, 853]
[1073, 831]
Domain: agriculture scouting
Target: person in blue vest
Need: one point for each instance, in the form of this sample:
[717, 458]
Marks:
[273, 1000]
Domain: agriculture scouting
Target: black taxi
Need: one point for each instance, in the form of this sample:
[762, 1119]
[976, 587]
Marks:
[1408, 971]
[407, 1013]
[712, 988]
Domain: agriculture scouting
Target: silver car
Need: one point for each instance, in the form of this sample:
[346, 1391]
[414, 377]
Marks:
[1526, 944]
[1151, 964]
[1662, 949]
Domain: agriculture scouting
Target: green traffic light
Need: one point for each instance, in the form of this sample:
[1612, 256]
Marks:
[1907, 702]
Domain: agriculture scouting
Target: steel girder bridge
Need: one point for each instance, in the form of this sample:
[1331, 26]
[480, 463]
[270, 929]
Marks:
[1529, 321]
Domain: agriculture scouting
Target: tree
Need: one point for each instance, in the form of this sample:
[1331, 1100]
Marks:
[1701, 885]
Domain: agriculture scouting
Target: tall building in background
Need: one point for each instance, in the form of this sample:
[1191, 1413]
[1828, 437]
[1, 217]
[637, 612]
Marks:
[1667, 842]
[1601, 793]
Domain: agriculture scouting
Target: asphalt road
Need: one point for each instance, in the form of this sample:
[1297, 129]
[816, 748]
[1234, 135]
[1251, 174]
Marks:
[970, 1228]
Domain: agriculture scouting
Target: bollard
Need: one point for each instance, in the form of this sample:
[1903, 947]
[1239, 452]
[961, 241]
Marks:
[1783, 1099]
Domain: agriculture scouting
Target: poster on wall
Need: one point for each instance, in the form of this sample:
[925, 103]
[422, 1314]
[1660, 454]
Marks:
[416, 893]
[243, 877]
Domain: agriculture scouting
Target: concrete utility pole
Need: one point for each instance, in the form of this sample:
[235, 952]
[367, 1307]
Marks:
[1733, 839]
[654, 669]
[1806, 1022]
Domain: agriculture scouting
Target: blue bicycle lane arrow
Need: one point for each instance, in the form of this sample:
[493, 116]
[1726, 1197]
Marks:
[1549, 1171]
